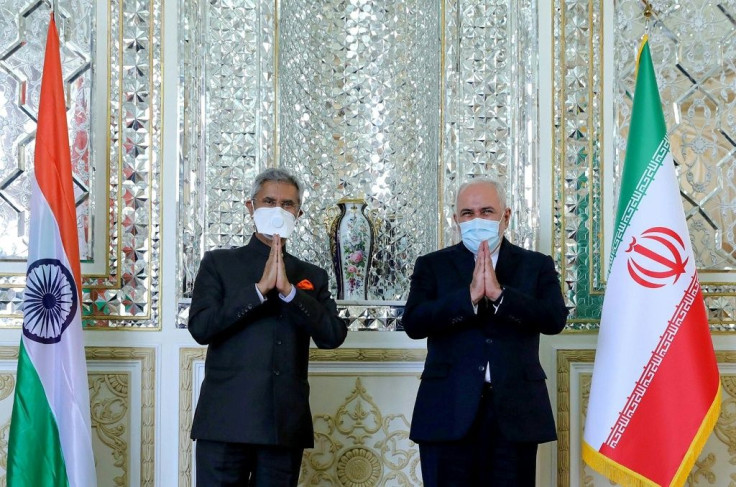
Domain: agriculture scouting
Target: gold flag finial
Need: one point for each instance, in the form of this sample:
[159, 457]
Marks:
[648, 10]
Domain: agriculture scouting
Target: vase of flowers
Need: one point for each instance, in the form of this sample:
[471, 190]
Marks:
[351, 242]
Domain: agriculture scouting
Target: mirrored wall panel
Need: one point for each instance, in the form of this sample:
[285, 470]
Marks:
[490, 107]
[22, 46]
[384, 102]
[111, 63]
[694, 54]
[358, 118]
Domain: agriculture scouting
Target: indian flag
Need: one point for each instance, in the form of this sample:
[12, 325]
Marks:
[655, 395]
[50, 436]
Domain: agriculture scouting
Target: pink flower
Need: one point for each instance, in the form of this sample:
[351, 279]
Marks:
[356, 256]
[352, 269]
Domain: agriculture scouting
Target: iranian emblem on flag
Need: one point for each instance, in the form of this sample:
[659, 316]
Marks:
[656, 256]
[655, 393]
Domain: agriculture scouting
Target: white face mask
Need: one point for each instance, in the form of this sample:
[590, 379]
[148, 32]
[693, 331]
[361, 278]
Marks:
[478, 230]
[270, 221]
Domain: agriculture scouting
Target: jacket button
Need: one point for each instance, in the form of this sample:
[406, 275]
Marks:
[278, 342]
[489, 341]
[276, 372]
[482, 368]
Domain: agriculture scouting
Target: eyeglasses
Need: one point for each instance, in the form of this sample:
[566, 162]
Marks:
[288, 205]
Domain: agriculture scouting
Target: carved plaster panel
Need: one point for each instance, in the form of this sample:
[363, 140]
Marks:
[361, 400]
[121, 388]
[364, 439]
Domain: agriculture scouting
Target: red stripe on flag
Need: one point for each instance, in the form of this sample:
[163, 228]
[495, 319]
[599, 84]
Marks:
[668, 418]
[53, 167]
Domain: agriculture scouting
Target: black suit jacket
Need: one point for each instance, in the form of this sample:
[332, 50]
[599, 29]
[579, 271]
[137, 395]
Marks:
[460, 343]
[255, 387]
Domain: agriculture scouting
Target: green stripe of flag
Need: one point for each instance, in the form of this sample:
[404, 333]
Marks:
[35, 458]
[647, 141]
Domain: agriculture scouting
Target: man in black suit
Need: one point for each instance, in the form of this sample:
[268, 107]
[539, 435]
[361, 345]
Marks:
[482, 406]
[256, 307]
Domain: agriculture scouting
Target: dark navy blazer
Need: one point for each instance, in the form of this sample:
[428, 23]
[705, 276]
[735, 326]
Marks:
[460, 343]
[255, 387]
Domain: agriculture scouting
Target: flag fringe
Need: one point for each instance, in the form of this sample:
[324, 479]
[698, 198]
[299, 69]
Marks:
[699, 441]
[612, 470]
[628, 478]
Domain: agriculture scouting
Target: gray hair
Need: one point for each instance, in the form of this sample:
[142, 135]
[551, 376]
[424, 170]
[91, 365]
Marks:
[484, 180]
[278, 175]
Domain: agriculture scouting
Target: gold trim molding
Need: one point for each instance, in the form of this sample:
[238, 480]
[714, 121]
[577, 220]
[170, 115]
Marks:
[187, 357]
[368, 355]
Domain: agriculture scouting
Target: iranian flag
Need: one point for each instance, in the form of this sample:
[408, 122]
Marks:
[50, 436]
[655, 395]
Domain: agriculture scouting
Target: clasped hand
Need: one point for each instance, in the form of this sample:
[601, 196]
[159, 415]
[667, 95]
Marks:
[274, 274]
[484, 283]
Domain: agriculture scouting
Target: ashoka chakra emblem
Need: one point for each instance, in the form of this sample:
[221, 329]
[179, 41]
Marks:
[50, 301]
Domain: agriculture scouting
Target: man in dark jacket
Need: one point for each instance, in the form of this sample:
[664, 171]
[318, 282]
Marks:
[482, 406]
[257, 307]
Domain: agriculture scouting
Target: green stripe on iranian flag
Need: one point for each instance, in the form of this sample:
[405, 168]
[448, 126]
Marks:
[649, 138]
[655, 393]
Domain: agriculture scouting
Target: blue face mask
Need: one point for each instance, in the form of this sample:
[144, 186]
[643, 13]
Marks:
[477, 230]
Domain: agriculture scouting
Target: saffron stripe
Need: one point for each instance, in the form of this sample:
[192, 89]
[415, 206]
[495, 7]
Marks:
[54, 176]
